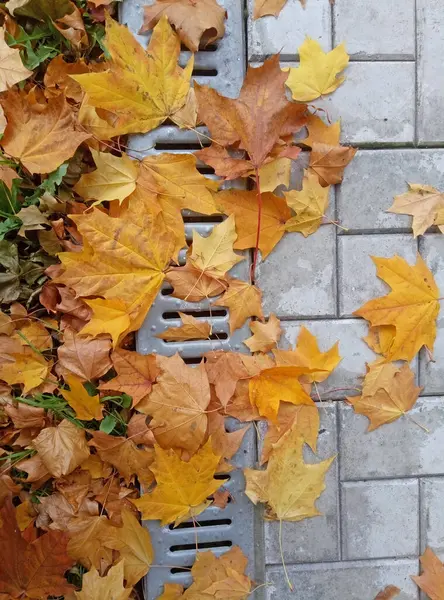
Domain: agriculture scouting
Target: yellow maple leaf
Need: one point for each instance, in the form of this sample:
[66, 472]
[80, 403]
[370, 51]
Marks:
[318, 72]
[12, 69]
[109, 316]
[411, 307]
[27, 368]
[310, 205]
[192, 329]
[423, 202]
[275, 384]
[182, 487]
[85, 406]
[214, 254]
[140, 88]
[289, 486]
[95, 587]
[265, 335]
[114, 178]
[243, 300]
[267, 7]
[320, 133]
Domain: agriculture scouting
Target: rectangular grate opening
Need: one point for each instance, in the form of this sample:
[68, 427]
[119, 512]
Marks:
[203, 72]
[192, 525]
[201, 546]
[204, 314]
[209, 48]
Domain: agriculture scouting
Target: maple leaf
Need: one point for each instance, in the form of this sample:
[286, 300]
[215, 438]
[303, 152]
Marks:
[388, 593]
[61, 449]
[242, 204]
[123, 258]
[192, 329]
[123, 454]
[265, 335]
[133, 542]
[31, 570]
[85, 406]
[318, 71]
[289, 486]
[182, 487]
[411, 307]
[141, 89]
[12, 69]
[109, 316]
[114, 178]
[319, 132]
[41, 137]
[310, 205]
[303, 417]
[386, 404]
[243, 300]
[57, 78]
[224, 370]
[275, 384]
[423, 202]
[431, 581]
[95, 587]
[136, 374]
[329, 162]
[171, 591]
[224, 443]
[25, 367]
[191, 284]
[196, 23]
[213, 255]
[83, 356]
[267, 7]
[87, 540]
[275, 173]
[308, 354]
[178, 404]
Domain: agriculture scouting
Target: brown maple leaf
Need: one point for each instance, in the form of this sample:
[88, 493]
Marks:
[84, 356]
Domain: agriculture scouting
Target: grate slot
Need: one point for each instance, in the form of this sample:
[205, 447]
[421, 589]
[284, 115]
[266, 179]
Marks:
[202, 313]
[202, 546]
[187, 525]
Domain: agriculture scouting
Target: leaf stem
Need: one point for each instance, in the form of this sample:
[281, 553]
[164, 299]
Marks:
[290, 585]
[259, 217]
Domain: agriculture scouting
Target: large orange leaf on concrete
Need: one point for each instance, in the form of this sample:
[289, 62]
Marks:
[289, 486]
[41, 137]
[141, 89]
[182, 487]
[123, 258]
[178, 404]
[196, 23]
[411, 307]
[31, 570]
[310, 205]
[431, 580]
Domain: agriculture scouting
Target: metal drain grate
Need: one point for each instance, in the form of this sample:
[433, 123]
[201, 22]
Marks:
[221, 66]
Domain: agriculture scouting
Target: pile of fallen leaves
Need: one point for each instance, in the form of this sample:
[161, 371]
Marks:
[93, 434]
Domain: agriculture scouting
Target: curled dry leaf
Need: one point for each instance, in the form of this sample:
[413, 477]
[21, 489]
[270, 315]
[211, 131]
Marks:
[61, 449]
[111, 585]
[192, 329]
[318, 72]
[178, 404]
[84, 356]
[196, 23]
[265, 335]
[310, 205]
[182, 487]
[431, 580]
[423, 202]
[85, 406]
[289, 486]
[411, 308]
[243, 300]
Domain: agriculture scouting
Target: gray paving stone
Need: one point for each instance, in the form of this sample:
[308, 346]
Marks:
[373, 513]
[430, 25]
[357, 273]
[398, 449]
[307, 282]
[432, 523]
[375, 29]
[361, 580]
[376, 103]
[374, 177]
[284, 34]
[316, 539]
[354, 351]
[432, 372]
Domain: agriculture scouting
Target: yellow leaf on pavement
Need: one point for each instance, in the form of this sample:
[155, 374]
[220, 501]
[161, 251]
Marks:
[85, 406]
[141, 89]
[214, 254]
[114, 178]
[12, 69]
[386, 404]
[275, 384]
[266, 335]
[423, 202]
[182, 487]
[318, 72]
[109, 587]
[289, 486]
[308, 354]
[411, 307]
[320, 133]
[275, 173]
[109, 316]
[243, 300]
[310, 205]
[192, 329]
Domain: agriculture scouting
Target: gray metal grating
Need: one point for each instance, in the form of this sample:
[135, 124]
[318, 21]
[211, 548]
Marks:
[221, 66]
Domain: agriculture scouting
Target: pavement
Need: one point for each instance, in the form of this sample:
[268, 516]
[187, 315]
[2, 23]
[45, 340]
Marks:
[383, 502]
